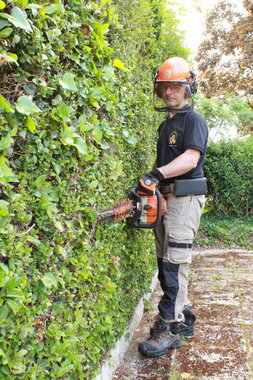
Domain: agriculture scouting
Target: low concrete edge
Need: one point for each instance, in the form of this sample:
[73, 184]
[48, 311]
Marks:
[117, 353]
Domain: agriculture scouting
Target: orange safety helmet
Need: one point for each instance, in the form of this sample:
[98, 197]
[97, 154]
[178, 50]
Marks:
[175, 70]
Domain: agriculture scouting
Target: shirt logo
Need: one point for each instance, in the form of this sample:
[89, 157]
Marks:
[173, 138]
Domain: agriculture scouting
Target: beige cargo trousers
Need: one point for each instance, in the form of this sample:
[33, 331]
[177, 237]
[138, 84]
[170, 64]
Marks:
[174, 237]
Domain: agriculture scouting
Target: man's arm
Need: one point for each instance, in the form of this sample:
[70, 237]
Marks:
[182, 164]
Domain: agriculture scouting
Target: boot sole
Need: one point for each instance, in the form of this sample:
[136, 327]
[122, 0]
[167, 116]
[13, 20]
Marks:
[185, 336]
[174, 345]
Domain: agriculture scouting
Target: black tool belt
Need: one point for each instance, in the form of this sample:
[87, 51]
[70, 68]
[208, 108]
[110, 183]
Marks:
[183, 187]
[165, 189]
[196, 186]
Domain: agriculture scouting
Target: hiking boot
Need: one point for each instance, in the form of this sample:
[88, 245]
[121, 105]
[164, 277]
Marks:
[186, 328]
[186, 331]
[159, 325]
[159, 343]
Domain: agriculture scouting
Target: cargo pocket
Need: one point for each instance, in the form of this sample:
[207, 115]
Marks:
[194, 213]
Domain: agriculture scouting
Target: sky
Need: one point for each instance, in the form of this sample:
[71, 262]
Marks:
[193, 21]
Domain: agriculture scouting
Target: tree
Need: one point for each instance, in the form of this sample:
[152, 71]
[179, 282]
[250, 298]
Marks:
[225, 55]
[226, 112]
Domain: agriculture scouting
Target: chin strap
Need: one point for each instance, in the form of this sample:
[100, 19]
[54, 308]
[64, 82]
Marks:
[174, 110]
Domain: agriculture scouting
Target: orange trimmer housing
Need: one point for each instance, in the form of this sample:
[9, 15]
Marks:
[149, 214]
[147, 209]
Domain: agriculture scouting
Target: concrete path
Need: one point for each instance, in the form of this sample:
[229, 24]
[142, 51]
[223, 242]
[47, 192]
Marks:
[221, 290]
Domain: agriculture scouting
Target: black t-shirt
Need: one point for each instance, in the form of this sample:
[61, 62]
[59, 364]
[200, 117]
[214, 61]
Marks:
[183, 131]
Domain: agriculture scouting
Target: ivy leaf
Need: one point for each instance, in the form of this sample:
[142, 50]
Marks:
[30, 88]
[68, 136]
[53, 8]
[6, 142]
[4, 208]
[13, 55]
[4, 104]
[101, 29]
[97, 92]
[49, 280]
[15, 307]
[3, 313]
[119, 64]
[9, 58]
[65, 111]
[30, 124]
[132, 140]
[15, 293]
[4, 23]
[18, 18]
[105, 145]
[21, 353]
[5, 171]
[68, 82]
[63, 370]
[2, 5]
[34, 240]
[4, 268]
[6, 32]
[26, 106]
[81, 145]
[58, 225]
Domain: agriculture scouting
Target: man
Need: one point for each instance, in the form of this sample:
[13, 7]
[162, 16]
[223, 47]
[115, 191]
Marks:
[179, 175]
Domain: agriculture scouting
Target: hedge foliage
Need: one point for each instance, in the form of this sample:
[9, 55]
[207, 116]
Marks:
[77, 129]
[229, 168]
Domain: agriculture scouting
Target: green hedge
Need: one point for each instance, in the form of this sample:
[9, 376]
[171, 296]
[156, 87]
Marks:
[77, 129]
[229, 168]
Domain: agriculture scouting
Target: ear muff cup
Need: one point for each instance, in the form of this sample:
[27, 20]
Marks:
[193, 83]
[194, 87]
[157, 90]
[188, 92]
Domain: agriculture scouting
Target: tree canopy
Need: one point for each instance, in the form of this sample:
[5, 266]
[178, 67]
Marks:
[225, 55]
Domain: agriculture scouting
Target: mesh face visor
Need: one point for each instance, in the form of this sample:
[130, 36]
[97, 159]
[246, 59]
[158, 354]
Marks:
[159, 105]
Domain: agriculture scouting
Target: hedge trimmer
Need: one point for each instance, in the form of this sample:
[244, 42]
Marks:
[141, 211]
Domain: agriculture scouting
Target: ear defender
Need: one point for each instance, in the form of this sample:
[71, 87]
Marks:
[188, 91]
[157, 90]
[193, 82]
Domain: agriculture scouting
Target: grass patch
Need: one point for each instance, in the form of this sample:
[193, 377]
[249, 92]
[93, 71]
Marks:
[224, 231]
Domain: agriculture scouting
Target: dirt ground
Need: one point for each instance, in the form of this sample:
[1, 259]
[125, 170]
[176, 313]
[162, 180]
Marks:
[221, 290]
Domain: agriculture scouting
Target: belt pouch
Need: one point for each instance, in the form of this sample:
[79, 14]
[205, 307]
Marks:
[196, 186]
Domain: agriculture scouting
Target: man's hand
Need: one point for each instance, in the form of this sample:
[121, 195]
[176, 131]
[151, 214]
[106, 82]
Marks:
[149, 182]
